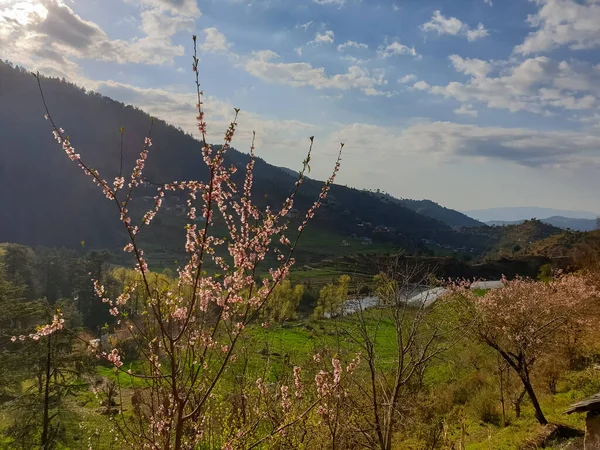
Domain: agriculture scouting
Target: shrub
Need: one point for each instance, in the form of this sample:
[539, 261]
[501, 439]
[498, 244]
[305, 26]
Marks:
[587, 382]
[485, 407]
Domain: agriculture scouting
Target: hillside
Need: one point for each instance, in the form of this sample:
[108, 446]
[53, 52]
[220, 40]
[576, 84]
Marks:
[431, 209]
[558, 221]
[446, 215]
[52, 203]
[580, 247]
[520, 238]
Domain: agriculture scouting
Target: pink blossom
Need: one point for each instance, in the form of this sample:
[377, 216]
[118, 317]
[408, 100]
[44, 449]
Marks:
[180, 313]
[297, 382]
[114, 358]
[285, 401]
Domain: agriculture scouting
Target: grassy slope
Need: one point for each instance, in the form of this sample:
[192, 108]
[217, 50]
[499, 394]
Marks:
[299, 340]
[294, 345]
[304, 339]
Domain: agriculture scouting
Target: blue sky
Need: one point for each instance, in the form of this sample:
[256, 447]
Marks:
[471, 103]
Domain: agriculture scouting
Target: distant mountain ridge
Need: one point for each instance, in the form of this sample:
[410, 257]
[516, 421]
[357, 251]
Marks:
[557, 221]
[432, 209]
[520, 213]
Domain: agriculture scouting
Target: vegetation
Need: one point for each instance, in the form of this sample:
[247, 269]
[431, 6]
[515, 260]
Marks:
[462, 393]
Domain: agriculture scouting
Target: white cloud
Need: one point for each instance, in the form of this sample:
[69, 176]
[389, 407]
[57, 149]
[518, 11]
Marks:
[155, 23]
[330, 2]
[214, 41]
[351, 44]
[354, 60]
[265, 65]
[477, 33]
[372, 92]
[421, 85]
[558, 99]
[186, 8]
[443, 141]
[454, 27]
[537, 85]
[304, 26]
[328, 37]
[488, 2]
[50, 33]
[466, 110]
[395, 49]
[323, 38]
[560, 23]
[471, 66]
[407, 78]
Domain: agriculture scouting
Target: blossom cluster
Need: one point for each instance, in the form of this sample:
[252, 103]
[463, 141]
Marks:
[44, 330]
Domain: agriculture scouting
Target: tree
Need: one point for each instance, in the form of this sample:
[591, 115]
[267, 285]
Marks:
[54, 361]
[420, 333]
[188, 335]
[19, 269]
[523, 320]
[283, 302]
[332, 298]
[92, 267]
[17, 315]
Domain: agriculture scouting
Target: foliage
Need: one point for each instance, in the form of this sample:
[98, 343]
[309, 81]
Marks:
[283, 302]
[332, 298]
[524, 320]
[485, 406]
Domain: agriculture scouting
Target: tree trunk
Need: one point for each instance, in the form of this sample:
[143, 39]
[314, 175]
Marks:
[517, 403]
[501, 379]
[539, 415]
[46, 421]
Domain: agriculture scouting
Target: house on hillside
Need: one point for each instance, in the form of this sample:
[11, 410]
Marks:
[345, 243]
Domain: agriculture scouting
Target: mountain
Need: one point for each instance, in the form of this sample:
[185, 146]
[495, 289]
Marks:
[446, 215]
[517, 213]
[557, 221]
[46, 200]
[431, 209]
[581, 247]
[572, 223]
[521, 237]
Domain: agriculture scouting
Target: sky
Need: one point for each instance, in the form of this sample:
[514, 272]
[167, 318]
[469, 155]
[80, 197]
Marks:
[470, 103]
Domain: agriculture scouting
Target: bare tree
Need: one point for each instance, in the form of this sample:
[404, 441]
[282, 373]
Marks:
[419, 336]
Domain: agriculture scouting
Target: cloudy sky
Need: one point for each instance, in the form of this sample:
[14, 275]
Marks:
[471, 103]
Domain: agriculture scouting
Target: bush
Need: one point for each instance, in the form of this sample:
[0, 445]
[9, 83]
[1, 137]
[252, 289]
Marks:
[464, 389]
[485, 407]
[587, 382]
